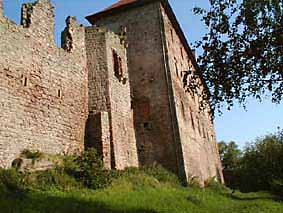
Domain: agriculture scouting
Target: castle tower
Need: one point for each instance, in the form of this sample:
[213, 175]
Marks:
[170, 129]
[110, 127]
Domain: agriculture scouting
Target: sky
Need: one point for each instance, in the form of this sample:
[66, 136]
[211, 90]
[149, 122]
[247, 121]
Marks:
[237, 125]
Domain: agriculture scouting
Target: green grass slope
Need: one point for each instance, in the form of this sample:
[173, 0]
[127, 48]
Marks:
[138, 193]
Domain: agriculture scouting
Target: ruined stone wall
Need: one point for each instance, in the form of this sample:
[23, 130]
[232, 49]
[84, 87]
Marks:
[43, 88]
[149, 88]
[196, 127]
[111, 94]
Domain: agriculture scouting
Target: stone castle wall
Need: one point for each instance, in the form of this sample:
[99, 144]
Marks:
[126, 98]
[170, 128]
[198, 140]
[110, 95]
[43, 88]
[149, 89]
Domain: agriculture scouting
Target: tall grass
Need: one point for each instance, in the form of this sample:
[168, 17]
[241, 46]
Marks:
[148, 189]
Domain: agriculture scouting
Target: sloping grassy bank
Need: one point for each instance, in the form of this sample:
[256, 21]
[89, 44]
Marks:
[80, 184]
[138, 193]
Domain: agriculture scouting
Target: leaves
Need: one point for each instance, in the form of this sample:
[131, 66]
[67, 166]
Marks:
[242, 50]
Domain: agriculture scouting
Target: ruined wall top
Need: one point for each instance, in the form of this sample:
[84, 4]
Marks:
[39, 17]
[1, 7]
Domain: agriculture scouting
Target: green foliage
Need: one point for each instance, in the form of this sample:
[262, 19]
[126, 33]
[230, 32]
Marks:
[262, 163]
[50, 179]
[88, 169]
[155, 171]
[141, 194]
[10, 180]
[277, 187]
[34, 156]
[242, 52]
[149, 189]
[230, 156]
[258, 167]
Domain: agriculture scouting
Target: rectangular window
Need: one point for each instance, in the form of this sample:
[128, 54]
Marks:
[192, 119]
[182, 54]
[118, 65]
[59, 93]
[25, 82]
[172, 35]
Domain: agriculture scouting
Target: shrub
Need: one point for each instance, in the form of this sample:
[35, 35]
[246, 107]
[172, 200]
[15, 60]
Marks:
[46, 180]
[277, 187]
[155, 171]
[10, 180]
[34, 156]
[88, 169]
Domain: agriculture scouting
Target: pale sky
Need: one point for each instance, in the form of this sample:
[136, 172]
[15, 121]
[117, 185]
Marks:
[238, 125]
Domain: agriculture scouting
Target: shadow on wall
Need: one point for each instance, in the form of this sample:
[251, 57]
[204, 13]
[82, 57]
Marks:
[36, 202]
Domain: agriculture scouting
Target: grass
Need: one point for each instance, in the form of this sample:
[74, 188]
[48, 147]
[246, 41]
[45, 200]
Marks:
[138, 192]
[80, 184]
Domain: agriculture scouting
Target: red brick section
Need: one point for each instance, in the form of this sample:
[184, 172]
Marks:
[119, 4]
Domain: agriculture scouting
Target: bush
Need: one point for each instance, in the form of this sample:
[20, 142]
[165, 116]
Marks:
[155, 171]
[46, 180]
[257, 166]
[277, 187]
[88, 169]
[10, 180]
[34, 156]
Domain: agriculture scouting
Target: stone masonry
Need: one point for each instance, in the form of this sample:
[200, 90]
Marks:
[171, 130]
[43, 88]
[117, 86]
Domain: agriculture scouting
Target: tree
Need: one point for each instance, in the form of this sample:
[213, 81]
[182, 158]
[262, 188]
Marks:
[230, 156]
[262, 163]
[242, 50]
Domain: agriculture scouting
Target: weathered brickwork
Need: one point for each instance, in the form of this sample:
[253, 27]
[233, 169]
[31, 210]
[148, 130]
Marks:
[148, 84]
[117, 86]
[110, 93]
[170, 128]
[200, 153]
[43, 88]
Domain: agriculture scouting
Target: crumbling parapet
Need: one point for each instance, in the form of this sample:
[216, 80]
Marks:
[73, 38]
[39, 17]
[1, 8]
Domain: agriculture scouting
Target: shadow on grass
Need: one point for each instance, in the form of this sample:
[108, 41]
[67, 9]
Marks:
[35, 202]
[270, 197]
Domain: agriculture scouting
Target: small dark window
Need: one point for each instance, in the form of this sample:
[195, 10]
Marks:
[25, 81]
[182, 54]
[59, 93]
[172, 35]
[203, 132]
[192, 119]
[183, 110]
[147, 126]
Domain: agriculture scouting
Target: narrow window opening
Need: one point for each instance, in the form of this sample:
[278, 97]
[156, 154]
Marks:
[172, 35]
[192, 119]
[25, 82]
[183, 110]
[59, 93]
[203, 132]
[147, 126]
[118, 66]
